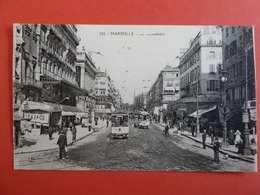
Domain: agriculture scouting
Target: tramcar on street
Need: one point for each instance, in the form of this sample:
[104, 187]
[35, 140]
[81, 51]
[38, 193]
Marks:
[120, 125]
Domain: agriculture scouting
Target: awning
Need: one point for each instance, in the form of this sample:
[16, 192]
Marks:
[65, 113]
[81, 114]
[202, 111]
[70, 110]
[44, 106]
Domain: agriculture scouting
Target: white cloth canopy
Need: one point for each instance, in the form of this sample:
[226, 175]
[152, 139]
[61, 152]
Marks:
[202, 111]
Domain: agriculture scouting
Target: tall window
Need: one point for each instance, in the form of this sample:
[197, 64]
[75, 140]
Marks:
[212, 68]
[212, 85]
[226, 31]
[212, 55]
[227, 52]
[233, 48]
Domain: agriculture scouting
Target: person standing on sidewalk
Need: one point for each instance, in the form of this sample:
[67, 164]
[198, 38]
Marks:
[107, 122]
[231, 136]
[74, 134]
[240, 146]
[238, 137]
[204, 136]
[50, 132]
[211, 134]
[216, 146]
[62, 142]
[192, 128]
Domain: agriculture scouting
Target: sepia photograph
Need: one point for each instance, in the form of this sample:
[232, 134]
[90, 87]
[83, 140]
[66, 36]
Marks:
[134, 98]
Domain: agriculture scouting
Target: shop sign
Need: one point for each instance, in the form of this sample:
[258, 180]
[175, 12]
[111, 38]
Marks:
[37, 117]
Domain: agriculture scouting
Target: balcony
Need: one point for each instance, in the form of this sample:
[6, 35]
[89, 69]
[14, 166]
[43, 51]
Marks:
[32, 82]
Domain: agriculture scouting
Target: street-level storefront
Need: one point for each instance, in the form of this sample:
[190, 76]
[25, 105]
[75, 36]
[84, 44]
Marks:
[41, 116]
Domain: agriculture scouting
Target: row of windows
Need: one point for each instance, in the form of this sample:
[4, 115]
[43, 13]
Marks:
[189, 63]
[213, 85]
[231, 50]
[236, 70]
[214, 55]
[211, 41]
[236, 93]
[232, 29]
[211, 30]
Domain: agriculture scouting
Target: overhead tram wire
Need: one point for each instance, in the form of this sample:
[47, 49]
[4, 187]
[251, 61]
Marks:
[113, 63]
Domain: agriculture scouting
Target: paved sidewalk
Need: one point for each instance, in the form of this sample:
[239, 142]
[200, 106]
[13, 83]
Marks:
[230, 150]
[37, 143]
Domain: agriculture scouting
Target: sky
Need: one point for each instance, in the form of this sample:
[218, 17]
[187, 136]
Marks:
[134, 58]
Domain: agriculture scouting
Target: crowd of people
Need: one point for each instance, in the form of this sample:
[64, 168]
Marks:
[234, 137]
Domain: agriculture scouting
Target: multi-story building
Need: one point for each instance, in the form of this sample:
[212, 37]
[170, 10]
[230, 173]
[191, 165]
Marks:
[165, 90]
[45, 72]
[107, 96]
[57, 58]
[85, 78]
[238, 60]
[26, 69]
[199, 76]
[140, 102]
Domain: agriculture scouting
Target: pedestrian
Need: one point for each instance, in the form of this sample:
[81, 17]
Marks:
[238, 137]
[71, 125]
[74, 134]
[240, 146]
[62, 142]
[216, 146]
[180, 126]
[166, 129]
[192, 129]
[107, 122]
[231, 137]
[204, 136]
[50, 132]
[211, 134]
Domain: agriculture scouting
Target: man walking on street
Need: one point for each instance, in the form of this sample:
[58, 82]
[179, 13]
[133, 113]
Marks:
[204, 136]
[62, 142]
[107, 122]
[74, 134]
[216, 146]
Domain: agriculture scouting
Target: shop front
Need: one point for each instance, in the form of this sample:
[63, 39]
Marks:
[41, 116]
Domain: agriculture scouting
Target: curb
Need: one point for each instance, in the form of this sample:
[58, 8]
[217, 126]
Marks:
[70, 144]
[221, 150]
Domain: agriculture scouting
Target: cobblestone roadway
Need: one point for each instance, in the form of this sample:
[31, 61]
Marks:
[144, 150]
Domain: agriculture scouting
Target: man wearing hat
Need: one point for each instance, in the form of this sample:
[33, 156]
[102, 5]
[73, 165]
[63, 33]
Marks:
[62, 142]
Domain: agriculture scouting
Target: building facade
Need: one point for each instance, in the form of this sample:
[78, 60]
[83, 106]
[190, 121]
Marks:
[238, 68]
[26, 68]
[85, 78]
[44, 73]
[108, 98]
[199, 70]
[164, 91]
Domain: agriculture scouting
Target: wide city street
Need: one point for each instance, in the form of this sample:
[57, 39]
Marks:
[144, 150]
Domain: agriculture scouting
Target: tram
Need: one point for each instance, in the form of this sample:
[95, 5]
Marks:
[120, 124]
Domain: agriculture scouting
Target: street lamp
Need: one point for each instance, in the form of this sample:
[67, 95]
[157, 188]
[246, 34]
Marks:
[197, 102]
[66, 98]
[247, 149]
[223, 80]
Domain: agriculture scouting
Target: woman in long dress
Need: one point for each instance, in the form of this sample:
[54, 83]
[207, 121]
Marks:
[238, 137]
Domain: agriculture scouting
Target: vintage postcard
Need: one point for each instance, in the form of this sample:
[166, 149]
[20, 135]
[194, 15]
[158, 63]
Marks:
[134, 98]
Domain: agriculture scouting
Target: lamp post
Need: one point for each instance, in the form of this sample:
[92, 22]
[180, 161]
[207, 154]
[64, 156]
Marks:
[224, 80]
[247, 149]
[197, 105]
